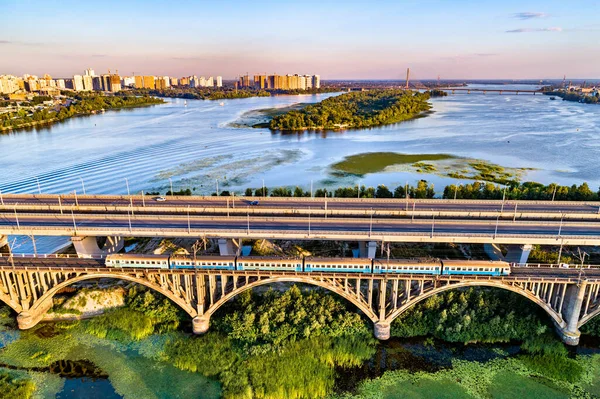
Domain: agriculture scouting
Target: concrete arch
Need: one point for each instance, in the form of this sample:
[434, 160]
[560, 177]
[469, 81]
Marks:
[43, 301]
[4, 298]
[551, 312]
[348, 296]
[588, 317]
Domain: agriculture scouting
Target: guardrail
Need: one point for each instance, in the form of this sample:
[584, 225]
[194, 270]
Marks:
[148, 198]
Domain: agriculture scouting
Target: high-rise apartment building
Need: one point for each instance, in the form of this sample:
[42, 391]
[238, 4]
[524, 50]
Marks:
[174, 82]
[8, 84]
[219, 81]
[148, 82]
[89, 72]
[78, 83]
[115, 83]
[316, 81]
[88, 82]
[128, 81]
[60, 83]
[97, 83]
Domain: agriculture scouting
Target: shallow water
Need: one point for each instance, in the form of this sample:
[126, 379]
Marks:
[195, 145]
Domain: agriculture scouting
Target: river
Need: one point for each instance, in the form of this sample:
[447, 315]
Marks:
[195, 143]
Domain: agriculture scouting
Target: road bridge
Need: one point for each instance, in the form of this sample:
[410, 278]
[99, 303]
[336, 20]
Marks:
[570, 297]
[520, 223]
[485, 91]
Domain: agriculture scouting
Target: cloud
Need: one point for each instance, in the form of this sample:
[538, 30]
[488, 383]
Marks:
[19, 43]
[528, 30]
[529, 15]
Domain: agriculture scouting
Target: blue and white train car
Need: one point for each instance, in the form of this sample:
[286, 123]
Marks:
[137, 261]
[348, 265]
[475, 267]
[407, 266]
[203, 262]
[269, 263]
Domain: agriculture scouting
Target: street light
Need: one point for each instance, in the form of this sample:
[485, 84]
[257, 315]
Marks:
[38, 185]
[82, 185]
[217, 182]
[76, 202]
[171, 183]
[263, 187]
[497, 220]
[17, 217]
[188, 215]
[562, 215]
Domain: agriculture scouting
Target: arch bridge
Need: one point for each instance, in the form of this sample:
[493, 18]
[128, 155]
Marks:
[570, 302]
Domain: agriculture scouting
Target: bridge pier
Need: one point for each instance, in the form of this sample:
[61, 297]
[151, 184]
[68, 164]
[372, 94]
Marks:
[226, 247]
[87, 247]
[382, 330]
[200, 324]
[518, 253]
[367, 249]
[572, 304]
[29, 318]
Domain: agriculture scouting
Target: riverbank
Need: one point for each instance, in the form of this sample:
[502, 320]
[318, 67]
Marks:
[75, 105]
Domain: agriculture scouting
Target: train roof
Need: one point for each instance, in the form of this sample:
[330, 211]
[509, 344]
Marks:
[357, 261]
[279, 258]
[468, 262]
[202, 257]
[411, 261]
[137, 256]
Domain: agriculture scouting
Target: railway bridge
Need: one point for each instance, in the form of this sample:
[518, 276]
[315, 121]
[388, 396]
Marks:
[570, 297]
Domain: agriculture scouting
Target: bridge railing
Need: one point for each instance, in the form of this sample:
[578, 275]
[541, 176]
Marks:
[572, 266]
[48, 256]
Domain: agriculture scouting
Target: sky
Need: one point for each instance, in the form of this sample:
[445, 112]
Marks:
[376, 39]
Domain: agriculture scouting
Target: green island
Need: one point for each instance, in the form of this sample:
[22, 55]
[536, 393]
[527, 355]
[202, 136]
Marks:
[299, 342]
[441, 164]
[355, 110]
[72, 104]
[261, 118]
[576, 97]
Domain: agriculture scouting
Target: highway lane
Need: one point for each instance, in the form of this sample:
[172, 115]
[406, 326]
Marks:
[203, 225]
[436, 205]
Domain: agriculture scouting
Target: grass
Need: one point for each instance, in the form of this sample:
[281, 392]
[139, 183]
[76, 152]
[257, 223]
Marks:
[373, 162]
[425, 388]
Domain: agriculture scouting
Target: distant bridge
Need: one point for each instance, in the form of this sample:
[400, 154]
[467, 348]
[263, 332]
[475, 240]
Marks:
[570, 297]
[485, 91]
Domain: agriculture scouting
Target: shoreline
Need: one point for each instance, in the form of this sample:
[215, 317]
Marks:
[50, 122]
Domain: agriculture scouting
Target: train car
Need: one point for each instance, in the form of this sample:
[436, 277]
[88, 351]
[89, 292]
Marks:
[138, 261]
[407, 266]
[202, 262]
[348, 265]
[269, 263]
[487, 268]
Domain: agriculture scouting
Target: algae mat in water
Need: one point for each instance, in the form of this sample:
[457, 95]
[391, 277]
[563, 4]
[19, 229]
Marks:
[509, 385]
[373, 162]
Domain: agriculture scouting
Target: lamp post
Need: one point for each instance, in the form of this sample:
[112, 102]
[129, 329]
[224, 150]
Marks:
[171, 184]
[38, 185]
[82, 185]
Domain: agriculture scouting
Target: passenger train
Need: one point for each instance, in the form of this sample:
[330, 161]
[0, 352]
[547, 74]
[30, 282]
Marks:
[312, 264]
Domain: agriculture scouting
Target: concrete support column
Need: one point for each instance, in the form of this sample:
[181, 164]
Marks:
[200, 324]
[572, 304]
[87, 247]
[226, 247]
[518, 253]
[382, 330]
[29, 318]
[4, 243]
[367, 249]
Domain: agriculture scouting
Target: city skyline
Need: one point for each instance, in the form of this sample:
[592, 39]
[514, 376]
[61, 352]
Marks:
[349, 40]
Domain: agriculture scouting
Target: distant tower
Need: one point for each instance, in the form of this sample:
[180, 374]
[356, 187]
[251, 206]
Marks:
[438, 80]
[564, 81]
[407, 77]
